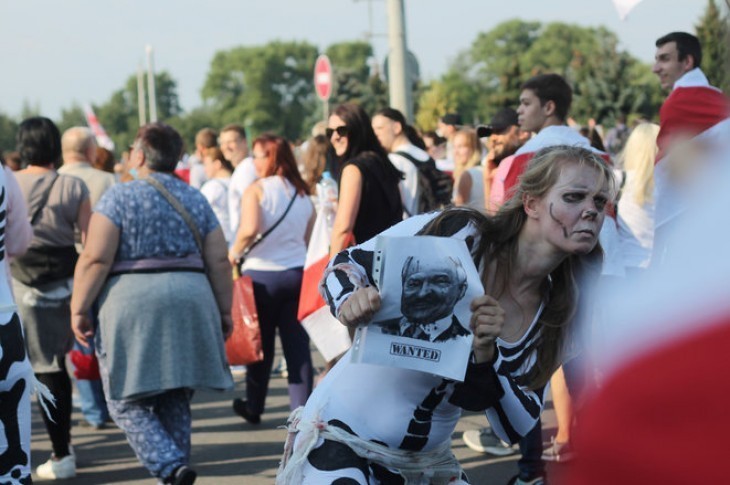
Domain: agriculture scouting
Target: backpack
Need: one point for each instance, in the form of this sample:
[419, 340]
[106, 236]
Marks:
[436, 187]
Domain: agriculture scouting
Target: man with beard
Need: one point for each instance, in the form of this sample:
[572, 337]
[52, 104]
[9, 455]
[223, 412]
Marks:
[504, 138]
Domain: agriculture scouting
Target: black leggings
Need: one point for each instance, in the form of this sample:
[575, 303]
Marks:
[59, 430]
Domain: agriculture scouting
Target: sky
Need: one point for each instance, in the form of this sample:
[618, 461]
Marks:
[57, 53]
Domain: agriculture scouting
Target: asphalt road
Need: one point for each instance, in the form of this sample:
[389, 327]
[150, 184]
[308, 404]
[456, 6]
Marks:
[227, 450]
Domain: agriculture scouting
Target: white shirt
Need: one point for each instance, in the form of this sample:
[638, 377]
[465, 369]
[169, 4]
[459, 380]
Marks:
[216, 193]
[197, 172]
[409, 193]
[243, 176]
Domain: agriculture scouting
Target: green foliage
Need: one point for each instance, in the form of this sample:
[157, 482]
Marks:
[8, 128]
[120, 117]
[712, 31]
[266, 88]
[606, 81]
[70, 117]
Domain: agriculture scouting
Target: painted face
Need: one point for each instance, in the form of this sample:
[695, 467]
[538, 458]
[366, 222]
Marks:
[463, 150]
[571, 213]
[338, 141]
[260, 160]
[210, 167]
[233, 146]
[667, 65]
[530, 114]
[385, 130]
[504, 144]
[430, 290]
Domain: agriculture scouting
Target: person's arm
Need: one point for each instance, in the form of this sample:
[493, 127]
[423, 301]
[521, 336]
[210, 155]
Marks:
[19, 231]
[219, 275]
[91, 271]
[83, 218]
[347, 208]
[250, 224]
[463, 189]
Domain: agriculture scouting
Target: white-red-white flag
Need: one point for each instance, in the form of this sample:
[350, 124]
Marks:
[328, 334]
[623, 7]
[102, 139]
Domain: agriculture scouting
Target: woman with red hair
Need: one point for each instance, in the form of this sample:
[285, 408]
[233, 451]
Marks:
[276, 220]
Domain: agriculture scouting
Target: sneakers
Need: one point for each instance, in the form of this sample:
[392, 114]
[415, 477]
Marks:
[485, 441]
[240, 407]
[58, 469]
[183, 475]
[558, 452]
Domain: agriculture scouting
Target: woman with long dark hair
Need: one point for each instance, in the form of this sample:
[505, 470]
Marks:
[369, 199]
[277, 205]
[531, 256]
[58, 206]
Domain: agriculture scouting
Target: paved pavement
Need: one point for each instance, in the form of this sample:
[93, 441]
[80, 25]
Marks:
[228, 451]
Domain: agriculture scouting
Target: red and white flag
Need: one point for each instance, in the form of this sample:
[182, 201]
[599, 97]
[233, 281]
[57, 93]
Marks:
[102, 139]
[663, 352]
[329, 336]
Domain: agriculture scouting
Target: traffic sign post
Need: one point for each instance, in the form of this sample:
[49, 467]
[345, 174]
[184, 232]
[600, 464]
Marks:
[323, 81]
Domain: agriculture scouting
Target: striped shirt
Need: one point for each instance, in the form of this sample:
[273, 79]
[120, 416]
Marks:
[499, 388]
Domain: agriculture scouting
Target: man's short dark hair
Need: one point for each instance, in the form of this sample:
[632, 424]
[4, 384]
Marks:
[237, 128]
[687, 45]
[207, 137]
[552, 87]
[162, 146]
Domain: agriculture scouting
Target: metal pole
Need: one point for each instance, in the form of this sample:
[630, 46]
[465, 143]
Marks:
[400, 86]
[141, 96]
[151, 85]
[326, 108]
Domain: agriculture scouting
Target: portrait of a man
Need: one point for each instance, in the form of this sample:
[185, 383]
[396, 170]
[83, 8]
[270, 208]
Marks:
[431, 287]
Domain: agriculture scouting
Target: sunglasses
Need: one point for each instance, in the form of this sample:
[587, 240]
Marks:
[340, 130]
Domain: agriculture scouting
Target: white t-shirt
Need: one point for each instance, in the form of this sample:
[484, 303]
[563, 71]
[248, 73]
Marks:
[243, 176]
[284, 247]
[197, 172]
[216, 193]
[409, 193]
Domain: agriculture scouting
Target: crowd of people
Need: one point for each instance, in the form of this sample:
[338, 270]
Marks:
[133, 262]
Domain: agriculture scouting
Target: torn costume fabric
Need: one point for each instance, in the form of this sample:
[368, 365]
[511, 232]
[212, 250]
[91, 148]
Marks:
[365, 422]
[16, 375]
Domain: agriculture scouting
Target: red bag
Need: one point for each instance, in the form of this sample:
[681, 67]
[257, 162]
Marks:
[244, 345]
[85, 365]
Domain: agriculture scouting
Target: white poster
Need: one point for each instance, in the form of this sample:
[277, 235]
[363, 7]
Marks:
[426, 284]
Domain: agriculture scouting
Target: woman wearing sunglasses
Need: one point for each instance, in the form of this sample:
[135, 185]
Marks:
[369, 197]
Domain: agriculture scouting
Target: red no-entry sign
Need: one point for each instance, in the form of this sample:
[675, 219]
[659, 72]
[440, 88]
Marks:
[323, 77]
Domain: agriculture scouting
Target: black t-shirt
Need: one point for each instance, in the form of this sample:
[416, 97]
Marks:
[380, 203]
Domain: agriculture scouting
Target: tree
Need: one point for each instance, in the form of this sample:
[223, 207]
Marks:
[267, 88]
[8, 129]
[606, 81]
[119, 116]
[712, 32]
[70, 117]
[434, 101]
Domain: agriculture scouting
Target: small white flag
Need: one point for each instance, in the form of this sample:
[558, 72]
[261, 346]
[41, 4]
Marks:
[624, 7]
[102, 139]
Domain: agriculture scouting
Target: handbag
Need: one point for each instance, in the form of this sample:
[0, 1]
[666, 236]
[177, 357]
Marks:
[244, 347]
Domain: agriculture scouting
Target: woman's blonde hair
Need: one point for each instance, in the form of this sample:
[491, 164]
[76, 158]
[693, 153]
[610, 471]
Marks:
[499, 244]
[476, 152]
[638, 157]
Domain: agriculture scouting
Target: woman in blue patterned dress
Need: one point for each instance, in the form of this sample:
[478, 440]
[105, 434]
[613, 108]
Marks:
[164, 297]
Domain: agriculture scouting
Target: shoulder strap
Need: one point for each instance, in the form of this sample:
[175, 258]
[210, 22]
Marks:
[410, 158]
[180, 209]
[261, 237]
[44, 200]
